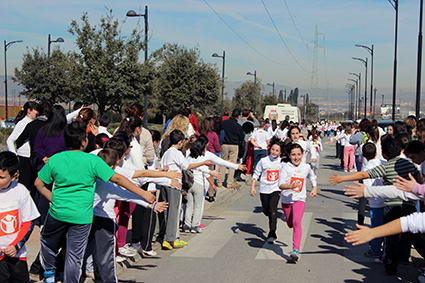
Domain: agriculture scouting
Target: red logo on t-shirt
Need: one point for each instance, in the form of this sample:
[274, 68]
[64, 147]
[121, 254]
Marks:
[9, 222]
[272, 175]
[300, 185]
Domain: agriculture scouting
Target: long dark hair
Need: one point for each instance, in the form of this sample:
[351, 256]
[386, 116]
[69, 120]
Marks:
[198, 146]
[56, 122]
[207, 126]
[29, 105]
[130, 124]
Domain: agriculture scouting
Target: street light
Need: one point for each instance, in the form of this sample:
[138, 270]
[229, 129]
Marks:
[49, 41]
[357, 103]
[356, 89]
[6, 46]
[365, 84]
[374, 102]
[370, 50]
[222, 77]
[419, 67]
[132, 13]
[255, 82]
[304, 100]
[272, 85]
[394, 3]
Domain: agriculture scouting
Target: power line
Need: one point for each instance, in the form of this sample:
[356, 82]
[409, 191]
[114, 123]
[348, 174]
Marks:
[281, 38]
[241, 38]
[292, 19]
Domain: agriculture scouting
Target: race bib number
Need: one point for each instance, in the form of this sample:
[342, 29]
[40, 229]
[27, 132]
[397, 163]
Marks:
[300, 178]
[272, 174]
[9, 218]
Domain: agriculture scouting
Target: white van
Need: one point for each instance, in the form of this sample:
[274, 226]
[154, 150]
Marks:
[278, 112]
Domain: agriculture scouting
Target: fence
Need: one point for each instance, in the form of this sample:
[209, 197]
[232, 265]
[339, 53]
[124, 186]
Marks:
[12, 111]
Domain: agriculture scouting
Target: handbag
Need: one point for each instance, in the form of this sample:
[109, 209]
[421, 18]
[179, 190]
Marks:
[187, 180]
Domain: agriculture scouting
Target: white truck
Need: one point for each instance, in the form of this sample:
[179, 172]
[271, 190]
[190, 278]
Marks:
[278, 112]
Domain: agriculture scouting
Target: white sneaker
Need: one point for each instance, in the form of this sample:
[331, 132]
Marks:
[345, 170]
[126, 251]
[150, 253]
[271, 240]
[120, 258]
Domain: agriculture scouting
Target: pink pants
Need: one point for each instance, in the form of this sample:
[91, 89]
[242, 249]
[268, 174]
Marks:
[123, 210]
[348, 156]
[293, 214]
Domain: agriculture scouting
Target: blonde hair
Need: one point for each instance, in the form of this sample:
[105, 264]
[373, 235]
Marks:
[179, 122]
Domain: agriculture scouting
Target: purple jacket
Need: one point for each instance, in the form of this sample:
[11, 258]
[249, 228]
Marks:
[47, 146]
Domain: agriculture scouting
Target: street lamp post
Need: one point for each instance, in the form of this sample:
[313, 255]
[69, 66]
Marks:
[365, 84]
[222, 77]
[419, 71]
[374, 102]
[394, 3]
[271, 84]
[132, 13]
[349, 89]
[6, 46]
[255, 83]
[370, 50]
[355, 92]
[49, 41]
[357, 100]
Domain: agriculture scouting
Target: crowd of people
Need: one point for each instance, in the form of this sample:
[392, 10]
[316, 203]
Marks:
[83, 184]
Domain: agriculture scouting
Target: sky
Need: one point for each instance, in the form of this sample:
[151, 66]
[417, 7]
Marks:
[272, 37]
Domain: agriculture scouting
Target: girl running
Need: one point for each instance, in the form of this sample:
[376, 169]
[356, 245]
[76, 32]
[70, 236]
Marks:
[292, 179]
[268, 169]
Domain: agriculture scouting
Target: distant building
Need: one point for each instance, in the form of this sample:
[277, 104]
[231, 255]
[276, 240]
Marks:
[387, 111]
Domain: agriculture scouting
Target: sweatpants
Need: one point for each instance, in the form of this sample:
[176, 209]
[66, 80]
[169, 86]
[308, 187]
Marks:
[228, 152]
[144, 221]
[101, 245]
[348, 157]
[195, 198]
[269, 203]
[123, 210]
[169, 220]
[294, 213]
[53, 234]
[13, 270]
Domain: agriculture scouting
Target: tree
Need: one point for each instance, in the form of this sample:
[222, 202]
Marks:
[46, 78]
[293, 97]
[181, 77]
[280, 98]
[108, 72]
[269, 99]
[247, 96]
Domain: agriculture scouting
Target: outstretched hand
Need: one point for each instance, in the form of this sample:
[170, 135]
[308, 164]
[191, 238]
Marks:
[404, 184]
[336, 179]
[358, 237]
[160, 206]
[215, 174]
[174, 174]
[356, 191]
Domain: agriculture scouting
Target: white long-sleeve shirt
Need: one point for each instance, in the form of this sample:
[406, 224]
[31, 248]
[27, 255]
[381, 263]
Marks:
[220, 161]
[289, 173]
[175, 160]
[268, 168]
[308, 149]
[374, 202]
[136, 154]
[413, 223]
[201, 173]
[25, 149]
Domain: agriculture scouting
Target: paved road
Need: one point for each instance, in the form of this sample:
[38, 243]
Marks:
[232, 248]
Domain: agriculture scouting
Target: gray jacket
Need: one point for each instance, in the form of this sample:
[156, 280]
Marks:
[356, 139]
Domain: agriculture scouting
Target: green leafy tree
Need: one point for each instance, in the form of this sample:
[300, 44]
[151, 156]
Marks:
[46, 78]
[108, 70]
[293, 97]
[269, 99]
[181, 77]
[248, 95]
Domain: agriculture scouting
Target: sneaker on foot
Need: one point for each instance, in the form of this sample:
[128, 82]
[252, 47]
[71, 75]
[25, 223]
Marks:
[295, 255]
[202, 226]
[271, 240]
[177, 244]
[150, 253]
[185, 228]
[345, 170]
[166, 246]
[127, 251]
[183, 242]
[371, 255]
[120, 258]
[195, 230]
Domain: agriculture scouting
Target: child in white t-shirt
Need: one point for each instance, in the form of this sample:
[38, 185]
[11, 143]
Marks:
[17, 212]
[292, 182]
[260, 140]
[317, 146]
[268, 169]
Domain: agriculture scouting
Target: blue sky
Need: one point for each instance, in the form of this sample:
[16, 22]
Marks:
[192, 23]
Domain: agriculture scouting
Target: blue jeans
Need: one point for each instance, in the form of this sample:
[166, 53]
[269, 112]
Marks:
[258, 154]
[377, 219]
